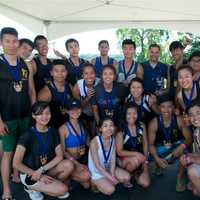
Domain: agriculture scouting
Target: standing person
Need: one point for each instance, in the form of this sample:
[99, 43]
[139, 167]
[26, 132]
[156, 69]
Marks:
[42, 167]
[109, 97]
[15, 101]
[155, 72]
[129, 68]
[147, 107]
[74, 63]
[102, 160]
[176, 49]
[168, 138]
[74, 142]
[25, 50]
[194, 62]
[191, 161]
[103, 59]
[41, 65]
[57, 93]
[84, 90]
[132, 146]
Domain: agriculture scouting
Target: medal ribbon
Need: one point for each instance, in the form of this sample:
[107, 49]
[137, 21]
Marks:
[79, 137]
[167, 134]
[109, 99]
[42, 147]
[132, 138]
[14, 71]
[59, 95]
[106, 157]
[129, 71]
[189, 101]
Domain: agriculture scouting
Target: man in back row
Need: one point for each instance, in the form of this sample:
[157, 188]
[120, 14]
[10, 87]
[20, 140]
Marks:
[15, 101]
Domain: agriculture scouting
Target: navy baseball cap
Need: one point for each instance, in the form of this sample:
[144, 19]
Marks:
[73, 103]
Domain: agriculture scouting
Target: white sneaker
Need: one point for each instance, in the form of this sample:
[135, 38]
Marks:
[66, 195]
[34, 195]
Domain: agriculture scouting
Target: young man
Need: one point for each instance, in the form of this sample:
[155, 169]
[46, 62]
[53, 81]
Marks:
[25, 50]
[15, 101]
[74, 64]
[168, 138]
[103, 59]
[194, 62]
[155, 72]
[41, 65]
[176, 49]
[129, 68]
[192, 160]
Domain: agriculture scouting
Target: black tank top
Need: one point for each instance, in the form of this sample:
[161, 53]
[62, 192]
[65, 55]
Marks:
[42, 75]
[197, 98]
[175, 134]
[131, 143]
[58, 110]
[14, 104]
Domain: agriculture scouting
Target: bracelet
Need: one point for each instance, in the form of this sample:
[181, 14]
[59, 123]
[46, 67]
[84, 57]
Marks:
[184, 145]
[71, 158]
[42, 169]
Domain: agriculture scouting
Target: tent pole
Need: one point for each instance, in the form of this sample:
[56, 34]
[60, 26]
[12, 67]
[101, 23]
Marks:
[46, 24]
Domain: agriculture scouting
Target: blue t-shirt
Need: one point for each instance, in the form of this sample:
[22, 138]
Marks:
[154, 77]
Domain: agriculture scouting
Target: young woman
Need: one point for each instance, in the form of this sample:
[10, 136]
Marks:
[57, 93]
[168, 138]
[189, 90]
[74, 143]
[84, 90]
[132, 146]
[109, 97]
[146, 103]
[102, 158]
[42, 168]
[191, 161]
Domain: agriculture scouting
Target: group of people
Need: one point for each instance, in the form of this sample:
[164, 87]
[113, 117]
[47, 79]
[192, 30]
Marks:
[97, 122]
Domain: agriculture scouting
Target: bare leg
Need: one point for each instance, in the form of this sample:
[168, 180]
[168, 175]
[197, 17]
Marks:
[5, 173]
[122, 175]
[104, 186]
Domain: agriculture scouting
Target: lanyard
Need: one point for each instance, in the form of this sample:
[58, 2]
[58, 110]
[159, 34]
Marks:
[167, 134]
[42, 147]
[129, 71]
[61, 98]
[189, 101]
[109, 99]
[132, 138]
[85, 87]
[79, 137]
[106, 157]
[14, 71]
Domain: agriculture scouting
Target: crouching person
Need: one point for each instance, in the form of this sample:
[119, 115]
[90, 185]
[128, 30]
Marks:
[191, 161]
[39, 158]
[102, 158]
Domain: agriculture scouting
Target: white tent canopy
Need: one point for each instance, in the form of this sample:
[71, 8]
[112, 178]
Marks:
[58, 18]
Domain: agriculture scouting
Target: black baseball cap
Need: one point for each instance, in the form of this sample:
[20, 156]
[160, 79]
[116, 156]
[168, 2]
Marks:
[164, 98]
[73, 103]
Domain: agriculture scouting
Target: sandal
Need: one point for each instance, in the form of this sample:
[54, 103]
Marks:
[128, 185]
[180, 185]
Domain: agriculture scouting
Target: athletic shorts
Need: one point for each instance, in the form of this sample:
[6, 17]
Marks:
[16, 128]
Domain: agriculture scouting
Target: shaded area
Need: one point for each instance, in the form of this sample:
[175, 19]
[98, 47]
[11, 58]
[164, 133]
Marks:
[162, 188]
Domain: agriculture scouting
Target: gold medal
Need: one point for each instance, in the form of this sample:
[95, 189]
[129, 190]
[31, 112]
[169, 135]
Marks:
[167, 144]
[81, 150]
[109, 113]
[18, 86]
[43, 159]
[63, 110]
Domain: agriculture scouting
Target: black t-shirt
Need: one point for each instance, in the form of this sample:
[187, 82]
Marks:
[13, 103]
[31, 144]
[110, 102]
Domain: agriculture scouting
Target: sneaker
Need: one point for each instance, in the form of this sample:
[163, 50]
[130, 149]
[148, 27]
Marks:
[66, 195]
[34, 195]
